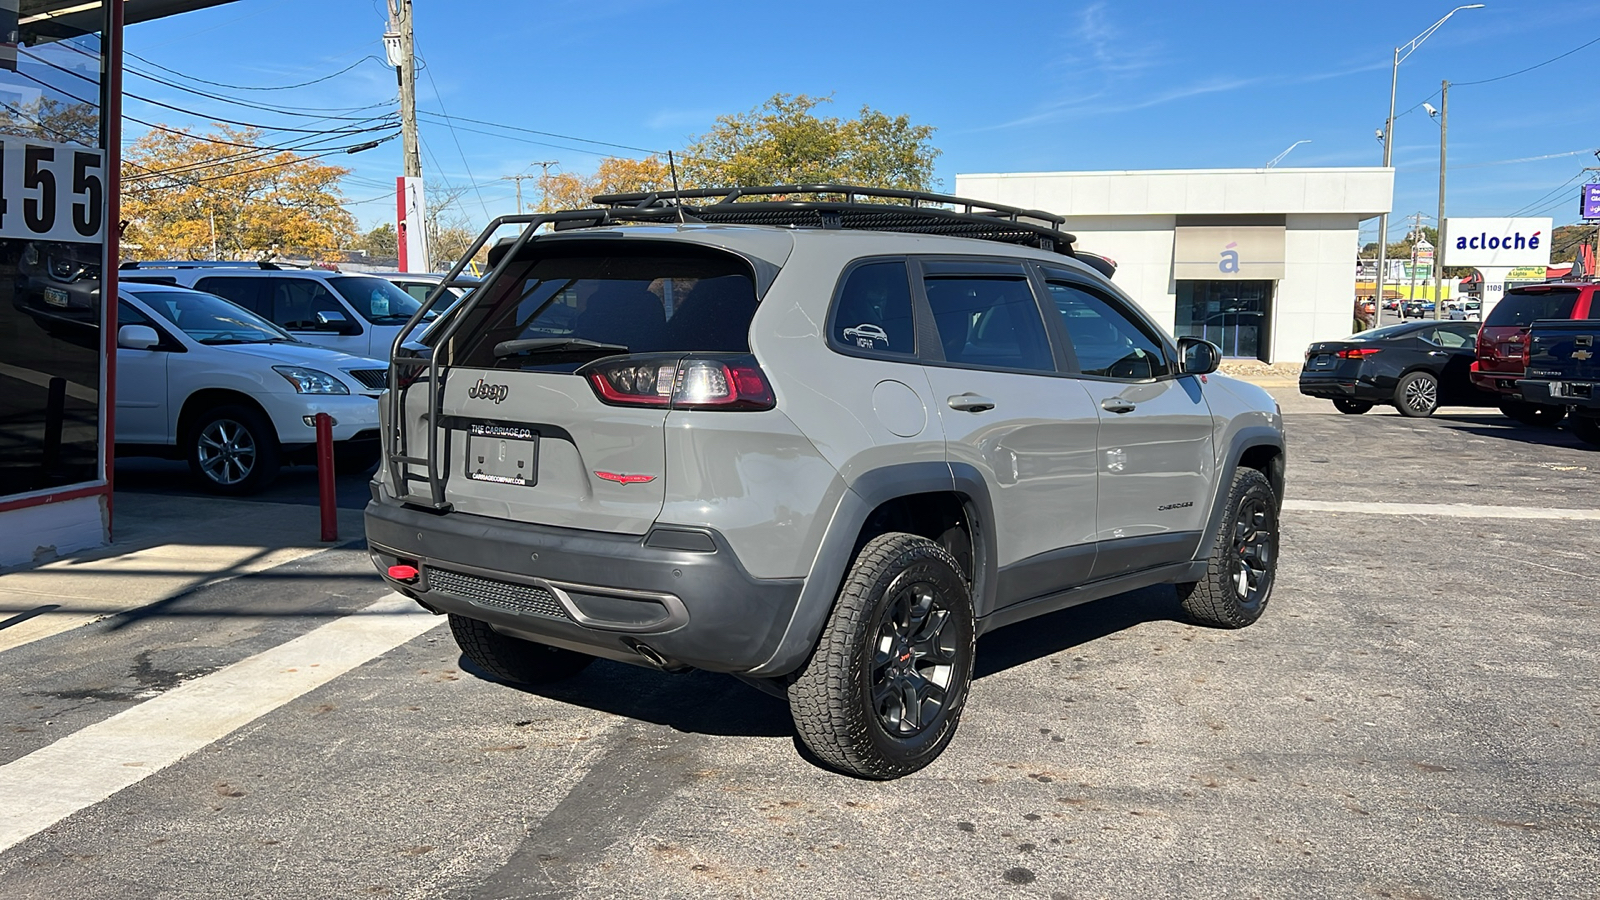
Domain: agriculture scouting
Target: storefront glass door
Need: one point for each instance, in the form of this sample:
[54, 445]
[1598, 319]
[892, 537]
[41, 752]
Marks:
[1234, 315]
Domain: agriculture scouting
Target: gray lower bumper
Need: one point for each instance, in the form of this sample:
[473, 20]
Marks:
[605, 594]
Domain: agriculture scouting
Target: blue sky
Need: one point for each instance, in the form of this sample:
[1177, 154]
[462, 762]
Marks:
[1020, 86]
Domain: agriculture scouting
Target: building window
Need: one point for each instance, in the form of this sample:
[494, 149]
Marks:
[1234, 315]
[52, 247]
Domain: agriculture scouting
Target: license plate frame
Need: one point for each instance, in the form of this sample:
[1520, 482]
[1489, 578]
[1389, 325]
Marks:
[502, 454]
[57, 297]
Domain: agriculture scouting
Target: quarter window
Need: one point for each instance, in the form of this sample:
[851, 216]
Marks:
[1106, 340]
[989, 322]
[244, 291]
[874, 309]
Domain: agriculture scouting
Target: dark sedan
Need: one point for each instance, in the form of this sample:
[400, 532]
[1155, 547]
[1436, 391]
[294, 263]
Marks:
[1415, 367]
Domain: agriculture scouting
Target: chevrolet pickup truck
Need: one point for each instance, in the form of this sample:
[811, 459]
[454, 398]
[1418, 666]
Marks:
[1562, 369]
[1503, 339]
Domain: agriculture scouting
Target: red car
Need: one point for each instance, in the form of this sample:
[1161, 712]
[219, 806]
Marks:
[1503, 338]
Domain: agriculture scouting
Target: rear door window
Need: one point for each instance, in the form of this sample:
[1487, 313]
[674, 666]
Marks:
[873, 312]
[1519, 309]
[644, 298]
[244, 291]
[296, 302]
[989, 321]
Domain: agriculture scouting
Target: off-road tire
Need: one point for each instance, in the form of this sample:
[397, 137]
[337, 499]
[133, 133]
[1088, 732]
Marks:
[1417, 394]
[832, 697]
[514, 660]
[1587, 428]
[1216, 599]
[1351, 407]
[1537, 414]
[212, 428]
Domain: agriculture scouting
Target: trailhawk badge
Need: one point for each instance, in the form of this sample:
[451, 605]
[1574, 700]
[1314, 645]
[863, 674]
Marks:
[485, 391]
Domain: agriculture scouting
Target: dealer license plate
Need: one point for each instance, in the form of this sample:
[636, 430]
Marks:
[503, 454]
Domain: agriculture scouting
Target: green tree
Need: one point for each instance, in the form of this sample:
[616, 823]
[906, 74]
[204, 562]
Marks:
[1565, 239]
[381, 241]
[784, 141]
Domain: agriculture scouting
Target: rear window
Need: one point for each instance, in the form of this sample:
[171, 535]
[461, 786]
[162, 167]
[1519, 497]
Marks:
[630, 299]
[1518, 308]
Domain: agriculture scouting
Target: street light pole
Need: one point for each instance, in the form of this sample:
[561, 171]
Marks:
[1438, 251]
[1388, 134]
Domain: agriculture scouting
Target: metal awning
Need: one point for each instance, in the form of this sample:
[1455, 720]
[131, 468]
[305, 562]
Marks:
[42, 21]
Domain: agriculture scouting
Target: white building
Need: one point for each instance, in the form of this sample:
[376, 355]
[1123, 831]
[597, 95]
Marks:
[1258, 261]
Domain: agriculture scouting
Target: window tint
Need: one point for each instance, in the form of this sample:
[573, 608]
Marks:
[296, 302]
[210, 319]
[989, 322]
[127, 315]
[1518, 309]
[643, 298]
[874, 309]
[244, 291]
[1106, 340]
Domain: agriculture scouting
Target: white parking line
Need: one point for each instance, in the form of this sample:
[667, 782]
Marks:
[86, 767]
[1458, 510]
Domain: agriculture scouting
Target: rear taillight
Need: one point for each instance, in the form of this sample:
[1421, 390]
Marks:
[1358, 352]
[704, 381]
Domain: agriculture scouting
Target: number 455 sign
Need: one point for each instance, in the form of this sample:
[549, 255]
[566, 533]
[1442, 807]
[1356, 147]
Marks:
[52, 192]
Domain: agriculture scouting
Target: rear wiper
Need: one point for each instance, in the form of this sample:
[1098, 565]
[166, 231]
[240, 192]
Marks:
[546, 345]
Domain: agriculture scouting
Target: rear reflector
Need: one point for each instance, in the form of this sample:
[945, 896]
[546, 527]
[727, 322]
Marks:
[704, 381]
[403, 573]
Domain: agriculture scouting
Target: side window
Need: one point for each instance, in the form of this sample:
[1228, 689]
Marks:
[1448, 337]
[991, 322]
[418, 291]
[1107, 341]
[874, 309]
[244, 291]
[127, 315]
[296, 302]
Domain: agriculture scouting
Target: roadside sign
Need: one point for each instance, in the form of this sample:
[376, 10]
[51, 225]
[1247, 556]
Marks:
[1589, 207]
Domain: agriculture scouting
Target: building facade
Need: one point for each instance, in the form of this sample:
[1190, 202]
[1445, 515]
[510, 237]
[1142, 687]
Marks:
[1260, 262]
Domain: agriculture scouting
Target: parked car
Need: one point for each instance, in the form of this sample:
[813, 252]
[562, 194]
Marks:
[1416, 309]
[1503, 338]
[58, 285]
[1416, 367]
[356, 314]
[202, 379]
[834, 459]
[1562, 368]
[420, 284]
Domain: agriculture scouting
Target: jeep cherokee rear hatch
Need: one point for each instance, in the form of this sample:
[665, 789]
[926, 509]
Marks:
[557, 384]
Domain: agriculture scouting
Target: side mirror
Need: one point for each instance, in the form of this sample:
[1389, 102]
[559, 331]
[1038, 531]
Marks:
[137, 337]
[1197, 357]
[335, 321]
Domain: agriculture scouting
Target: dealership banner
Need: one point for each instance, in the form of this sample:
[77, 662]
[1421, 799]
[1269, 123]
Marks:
[1589, 208]
[1246, 252]
[1496, 242]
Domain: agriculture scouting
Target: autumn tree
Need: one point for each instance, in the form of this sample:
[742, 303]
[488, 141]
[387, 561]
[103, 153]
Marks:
[614, 175]
[784, 141]
[381, 241]
[189, 196]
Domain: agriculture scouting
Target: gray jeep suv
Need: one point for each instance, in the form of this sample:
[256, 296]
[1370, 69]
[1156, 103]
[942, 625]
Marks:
[819, 437]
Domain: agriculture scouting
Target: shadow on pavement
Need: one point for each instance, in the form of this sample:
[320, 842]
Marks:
[295, 484]
[708, 703]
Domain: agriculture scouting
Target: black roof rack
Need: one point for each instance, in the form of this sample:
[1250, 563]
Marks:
[831, 206]
[197, 264]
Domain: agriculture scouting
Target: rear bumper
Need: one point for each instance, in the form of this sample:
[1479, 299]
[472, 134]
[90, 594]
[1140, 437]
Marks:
[1581, 395]
[604, 594]
[1497, 382]
[1339, 387]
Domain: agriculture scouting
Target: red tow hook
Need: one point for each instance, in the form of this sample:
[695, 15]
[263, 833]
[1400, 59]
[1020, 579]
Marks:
[406, 574]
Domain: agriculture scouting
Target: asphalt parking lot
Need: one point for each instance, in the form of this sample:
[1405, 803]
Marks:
[1415, 716]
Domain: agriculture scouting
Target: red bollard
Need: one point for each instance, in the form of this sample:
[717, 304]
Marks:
[325, 492]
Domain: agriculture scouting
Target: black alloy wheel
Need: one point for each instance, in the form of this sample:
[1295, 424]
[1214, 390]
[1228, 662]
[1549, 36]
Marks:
[1417, 394]
[882, 694]
[1242, 562]
[1351, 407]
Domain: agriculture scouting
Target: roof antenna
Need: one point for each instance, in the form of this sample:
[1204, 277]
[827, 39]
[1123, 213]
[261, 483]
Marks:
[673, 167]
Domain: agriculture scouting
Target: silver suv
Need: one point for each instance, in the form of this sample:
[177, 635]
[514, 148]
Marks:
[821, 441]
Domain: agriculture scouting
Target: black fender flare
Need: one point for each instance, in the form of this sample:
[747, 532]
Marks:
[837, 550]
[1245, 439]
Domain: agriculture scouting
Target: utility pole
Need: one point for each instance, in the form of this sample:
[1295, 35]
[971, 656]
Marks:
[543, 164]
[1438, 251]
[407, 68]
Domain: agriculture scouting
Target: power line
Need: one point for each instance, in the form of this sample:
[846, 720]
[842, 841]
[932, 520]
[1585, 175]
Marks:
[1530, 68]
[245, 87]
[1558, 188]
[454, 137]
[523, 140]
[551, 134]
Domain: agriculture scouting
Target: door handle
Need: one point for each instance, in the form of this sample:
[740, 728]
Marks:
[1437, 353]
[1117, 405]
[970, 403]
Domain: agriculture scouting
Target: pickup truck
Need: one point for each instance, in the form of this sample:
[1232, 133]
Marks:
[1562, 368]
[1503, 339]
